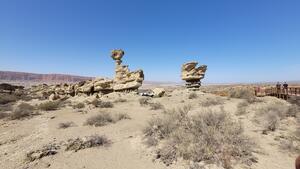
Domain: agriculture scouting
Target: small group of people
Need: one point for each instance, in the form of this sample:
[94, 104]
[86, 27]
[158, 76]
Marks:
[282, 90]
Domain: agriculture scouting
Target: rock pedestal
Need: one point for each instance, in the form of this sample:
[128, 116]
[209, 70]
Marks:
[125, 80]
[193, 74]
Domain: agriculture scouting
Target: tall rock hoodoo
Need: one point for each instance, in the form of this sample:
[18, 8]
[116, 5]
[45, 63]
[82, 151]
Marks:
[124, 79]
[193, 74]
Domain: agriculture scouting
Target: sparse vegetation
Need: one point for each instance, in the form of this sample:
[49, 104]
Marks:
[87, 142]
[65, 125]
[120, 100]
[7, 98]
[101, 119]
[211, 101]
[105, 118]
[78, 106]
[241, 108]
[156, 106]
[144, 101]
[121, 116]
[102, 104]
[46, 150]
[49, 105]
[21, 111]
[3, 115]
[193, 96]
[243, 93]
[271, 114]
[203, 137]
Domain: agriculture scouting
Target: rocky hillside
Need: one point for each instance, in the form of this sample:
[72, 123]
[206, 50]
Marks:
[33, 77]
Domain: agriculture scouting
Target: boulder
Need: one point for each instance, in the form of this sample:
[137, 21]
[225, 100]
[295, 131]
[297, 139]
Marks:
[158, 92]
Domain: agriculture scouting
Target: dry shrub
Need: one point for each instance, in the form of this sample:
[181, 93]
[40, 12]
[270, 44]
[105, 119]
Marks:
[49, 105]
[87, 142]
[207, 136]
[78, 106]
[46, 150]
[156, 106]
[271, 114]
[6, 107]
[3, 115]
[120, 100]
[211, 102]
[102, 104]
[243, 93]
[101, 119]
[144, 101]
[65, 125]
[241, 108]
[7, 98]
[21, 111]
[121, 116]
[192, 96]
[105, 118]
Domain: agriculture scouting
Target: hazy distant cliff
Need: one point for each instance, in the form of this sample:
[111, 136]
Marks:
[22, 76]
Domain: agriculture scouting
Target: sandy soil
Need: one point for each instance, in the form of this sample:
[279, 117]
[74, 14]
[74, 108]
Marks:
[127, 150]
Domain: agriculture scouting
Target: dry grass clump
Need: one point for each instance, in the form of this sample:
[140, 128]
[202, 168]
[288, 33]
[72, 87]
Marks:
[105, 118]
[79, 106]
[7, 98]
[207, 136]
[271, 114]
[121, 116]
[102, 104]
[46, 150]
[65, 125]
[87, 142]
[156, 106]
[144, 101]
[6, 107]
[3, 115]
[21, 111]
[241, 108]
[101, 119]
[192, 96]
[211, 102]
[243, 93]
[120, 100]
[49, 105]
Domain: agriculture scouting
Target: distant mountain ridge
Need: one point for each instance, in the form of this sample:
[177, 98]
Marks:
[45, 78]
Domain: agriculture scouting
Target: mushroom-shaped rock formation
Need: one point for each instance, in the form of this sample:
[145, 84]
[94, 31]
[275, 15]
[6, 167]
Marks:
[125, 80]
[193, 74]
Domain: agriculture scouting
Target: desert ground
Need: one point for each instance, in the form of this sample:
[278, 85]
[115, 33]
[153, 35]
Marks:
[182, 129]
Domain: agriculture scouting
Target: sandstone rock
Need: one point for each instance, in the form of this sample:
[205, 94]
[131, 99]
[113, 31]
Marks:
[192, 74]
[158, 92]
[124, 78]
[53, 97]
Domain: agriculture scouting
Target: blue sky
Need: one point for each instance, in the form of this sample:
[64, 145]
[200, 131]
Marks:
[239, 40]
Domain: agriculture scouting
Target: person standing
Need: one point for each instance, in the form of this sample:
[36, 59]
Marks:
[278, 88]
[285, 90]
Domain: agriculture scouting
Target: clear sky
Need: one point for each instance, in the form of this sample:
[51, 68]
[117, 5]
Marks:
[239, 40]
